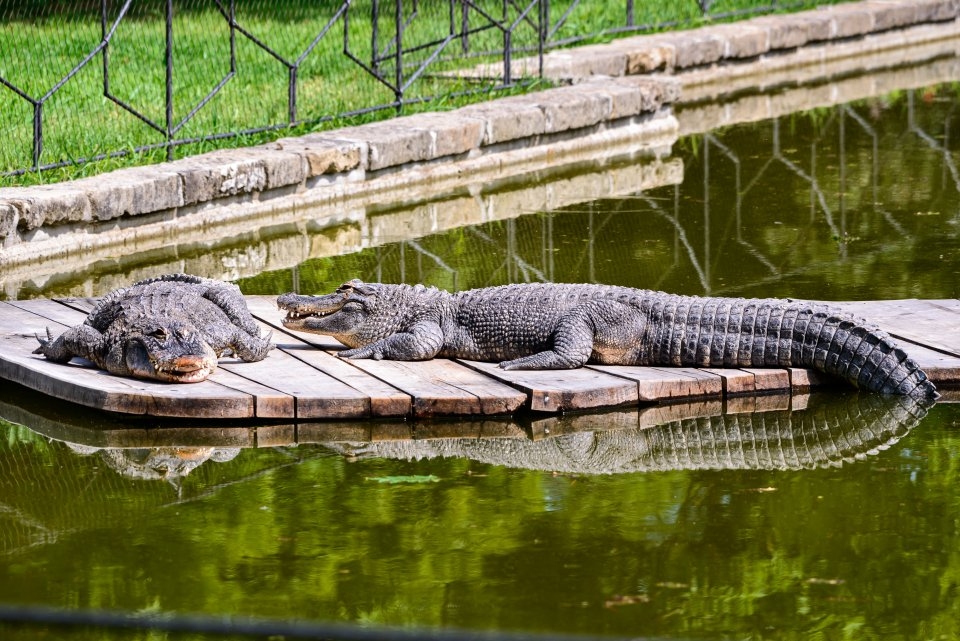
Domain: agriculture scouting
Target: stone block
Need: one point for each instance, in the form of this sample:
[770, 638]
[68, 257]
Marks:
[647, 54]
[936, 10]
[584, 62]
[784, 31]
[388, 144]
[507, 119]
[9, 217]
[654, 92]
[819, 25]
[851, 20]
[626, 100]
[888, 15]
[696, 48]
[571, 108]
[283, 168]
[47, 204]
[324, 155]
[744, 40]
[452, 133]
[131, 192]
[219, 174]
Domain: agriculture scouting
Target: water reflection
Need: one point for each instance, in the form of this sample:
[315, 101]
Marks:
[825, 434]
[828, 431]
[168, 464]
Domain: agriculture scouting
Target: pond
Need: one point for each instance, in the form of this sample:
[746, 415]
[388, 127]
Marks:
[835, 519]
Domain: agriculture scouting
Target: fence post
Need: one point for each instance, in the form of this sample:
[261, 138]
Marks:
[169, 63]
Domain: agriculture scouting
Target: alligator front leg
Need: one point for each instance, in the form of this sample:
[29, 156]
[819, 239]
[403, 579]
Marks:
[423, 341]
[83, 341]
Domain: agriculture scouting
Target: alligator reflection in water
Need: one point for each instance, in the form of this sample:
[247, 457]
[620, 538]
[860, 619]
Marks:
[156, 463]
[830, 431]
[823, 435]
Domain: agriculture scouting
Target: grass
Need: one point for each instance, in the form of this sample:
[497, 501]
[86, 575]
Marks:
[41, 46]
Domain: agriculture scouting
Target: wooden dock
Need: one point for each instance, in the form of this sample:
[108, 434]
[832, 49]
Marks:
[303, 379]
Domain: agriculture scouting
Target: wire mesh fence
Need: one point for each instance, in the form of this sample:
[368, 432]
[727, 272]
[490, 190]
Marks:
[86, 80]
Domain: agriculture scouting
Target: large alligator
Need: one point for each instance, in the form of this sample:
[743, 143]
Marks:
[172, 328]
[562, 326]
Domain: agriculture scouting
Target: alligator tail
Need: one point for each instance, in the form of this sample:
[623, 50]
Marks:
[738, 332]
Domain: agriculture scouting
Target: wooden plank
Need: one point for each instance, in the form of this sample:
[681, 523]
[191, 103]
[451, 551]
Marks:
[268, 402]
[563, 390]
[317, 395]
[802, 380]
[735, 381]
[768, 380]
[52, 310]
[443, 387]
[932, 323]
[92, 387]
[658, 383]
[385, 399]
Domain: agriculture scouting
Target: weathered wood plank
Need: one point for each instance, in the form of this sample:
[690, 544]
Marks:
[656, 383]
[92, 387]
[935, 323]
[443, 387]
[768, 380]
[564, 390]
[385, 399]
[735, 381]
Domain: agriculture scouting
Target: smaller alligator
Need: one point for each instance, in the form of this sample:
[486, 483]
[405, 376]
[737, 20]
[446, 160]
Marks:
[563, 326]
[172, 328]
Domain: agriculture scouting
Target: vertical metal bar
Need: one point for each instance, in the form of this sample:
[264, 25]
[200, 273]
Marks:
[37, 133]
[398, 72]
[292, 94]
[233, 36]
[631, 18]
[544, 25]
[507, 45]
[169, 62]
[465, 26]
[106, 47]
[375, 36]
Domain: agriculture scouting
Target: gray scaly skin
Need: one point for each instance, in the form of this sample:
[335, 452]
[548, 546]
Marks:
[172, 328]
[562, 326]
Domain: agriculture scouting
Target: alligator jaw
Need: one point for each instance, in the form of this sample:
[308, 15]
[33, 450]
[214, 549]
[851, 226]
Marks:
[303, 312]
[186, 369]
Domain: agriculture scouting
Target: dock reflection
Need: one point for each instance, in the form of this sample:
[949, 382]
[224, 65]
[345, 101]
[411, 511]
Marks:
[752, 433]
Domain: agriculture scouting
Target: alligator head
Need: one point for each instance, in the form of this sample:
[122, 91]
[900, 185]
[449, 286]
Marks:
[341, 314]
[164, 349]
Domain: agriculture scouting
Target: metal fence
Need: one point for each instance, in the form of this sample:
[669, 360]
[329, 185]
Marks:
[87, 80]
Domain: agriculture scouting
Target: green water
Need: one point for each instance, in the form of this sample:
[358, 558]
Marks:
[853, 202]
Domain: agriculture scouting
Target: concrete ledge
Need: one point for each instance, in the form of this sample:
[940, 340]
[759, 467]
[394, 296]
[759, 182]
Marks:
[295, 165]
[730, 43]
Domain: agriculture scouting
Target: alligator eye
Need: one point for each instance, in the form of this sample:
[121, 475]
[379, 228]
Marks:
[159, 333]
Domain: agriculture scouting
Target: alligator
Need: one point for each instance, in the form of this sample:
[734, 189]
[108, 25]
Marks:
[564, 326]
[171, 328]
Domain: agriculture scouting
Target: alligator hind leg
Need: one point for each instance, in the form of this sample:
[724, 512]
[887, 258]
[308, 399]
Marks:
[572, 344]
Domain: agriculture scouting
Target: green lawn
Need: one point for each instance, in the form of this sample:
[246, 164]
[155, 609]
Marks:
[41, 45]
